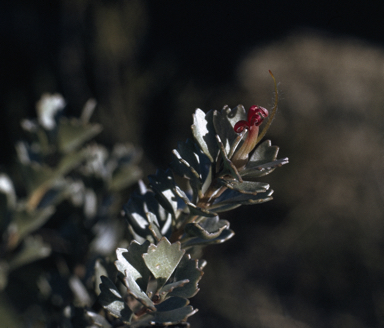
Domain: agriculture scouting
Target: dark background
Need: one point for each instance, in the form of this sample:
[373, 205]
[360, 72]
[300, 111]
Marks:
[149, 64]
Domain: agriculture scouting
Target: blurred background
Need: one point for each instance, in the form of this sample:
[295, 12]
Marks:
[312, 257]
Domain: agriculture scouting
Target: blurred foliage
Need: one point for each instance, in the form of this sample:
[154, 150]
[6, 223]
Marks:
[67, 218]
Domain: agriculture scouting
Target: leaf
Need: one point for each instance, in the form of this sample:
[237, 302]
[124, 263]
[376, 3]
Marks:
[264, 152]
[224, 122]
[208, 228]
[73, 133]
[163, 259]
[157, 215]
[193, 209]
[229, 167]
[135, 257]
[33, 249]
[112, 301]
[98, 320]
[100, 270]
[186, 154]
[187, 269]
[132, 275]
[173, 316]
[224, 207]
[204, 133]
[235, 197]
[135, 290]
[184, 169]
[195, 241]
[245, 187]
[172, 304]
[137, 217]
[253, 171]
[163, 185]
[171, 286]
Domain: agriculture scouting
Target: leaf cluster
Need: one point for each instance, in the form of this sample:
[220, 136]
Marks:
[170, 224]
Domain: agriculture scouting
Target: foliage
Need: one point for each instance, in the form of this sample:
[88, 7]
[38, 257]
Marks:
[69, 210]
[170, 221]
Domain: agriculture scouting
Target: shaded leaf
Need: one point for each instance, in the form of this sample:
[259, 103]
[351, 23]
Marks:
[195, 241]
[245, 187]
[135, 257]
[253, 171]
[224, 121]
[235, 197]
[132, 275]
[193, 209]
[112, 301]
[163, 185]
[229, 167]
[173, 316]
[207, 228]
[187, 269]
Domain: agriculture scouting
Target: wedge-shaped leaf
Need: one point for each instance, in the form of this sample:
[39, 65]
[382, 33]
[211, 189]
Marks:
[112, 301]
[147, 218]
[73, 133]
[187, 269]
[163, 185]
[184, 169]
[124, 266]
[236, 197]
[134, 256]
[159, 218]
[186, 154]
[229, 167]
[172, 303]
[204, 133]
[163, 259]
[172, 311]
[264, 153]
[224, 122]
[196, 241]
[253, 171]
[137, 217]
[224, 207]
[171, 286]
[131, 274]
[245, 187]
[207, 228]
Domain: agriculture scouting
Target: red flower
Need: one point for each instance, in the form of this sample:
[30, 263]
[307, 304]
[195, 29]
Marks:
[256, 115]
